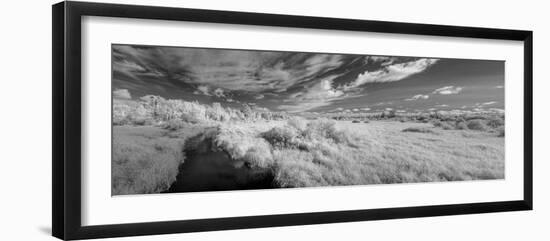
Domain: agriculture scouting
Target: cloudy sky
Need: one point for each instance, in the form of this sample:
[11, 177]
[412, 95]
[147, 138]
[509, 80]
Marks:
[307, 82]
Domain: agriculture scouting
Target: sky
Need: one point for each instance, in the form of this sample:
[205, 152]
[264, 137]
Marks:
[307, 82]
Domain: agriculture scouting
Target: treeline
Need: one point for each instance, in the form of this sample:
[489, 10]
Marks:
[152, 109]
[415, 117]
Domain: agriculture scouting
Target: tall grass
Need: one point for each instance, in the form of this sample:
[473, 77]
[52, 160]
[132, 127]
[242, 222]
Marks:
[143, 161]
[303, 153]
[298, 152]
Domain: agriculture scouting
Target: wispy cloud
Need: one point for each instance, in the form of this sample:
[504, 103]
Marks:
[288, 81]
[448, 90]
[226, 69]
[259, 96]
[318, 94]
[382, 60]
[202, 90]
[392, 72]
[418, 97]
[122, 94]
[209, 91]
[489, 103]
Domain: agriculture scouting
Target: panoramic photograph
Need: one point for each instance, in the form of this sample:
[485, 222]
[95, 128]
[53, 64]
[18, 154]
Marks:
[203, 119]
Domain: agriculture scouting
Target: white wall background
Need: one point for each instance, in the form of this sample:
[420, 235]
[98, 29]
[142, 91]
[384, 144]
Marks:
[25, 100]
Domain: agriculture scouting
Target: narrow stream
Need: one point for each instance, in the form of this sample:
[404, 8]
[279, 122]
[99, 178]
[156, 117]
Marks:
[206, 169]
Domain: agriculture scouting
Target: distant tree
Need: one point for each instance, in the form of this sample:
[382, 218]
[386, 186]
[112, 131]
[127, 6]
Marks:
[153, 102]
[247, 111]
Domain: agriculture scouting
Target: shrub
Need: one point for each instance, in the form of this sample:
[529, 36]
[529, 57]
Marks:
[500, 131]
[325, 129]
[173, 125]
[355, 121]
[495, 122]
[443, 124]
[298, 123]
[461, 125]
[189, 118]
[121, 120]
[366, 121]
[476, 124]
[143, 121]
[259, 156]
[320, 128]
[281, 137]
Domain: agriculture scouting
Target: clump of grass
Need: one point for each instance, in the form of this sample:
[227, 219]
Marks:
[174, 125]
[419, 130]
[259, 156]
[144, 165]
[461, 125]
[281, 137]
[298, 123]
[500, 131]
[443, 124]
[238, 139]
[476, 124]
[325, 129]
[495, 122]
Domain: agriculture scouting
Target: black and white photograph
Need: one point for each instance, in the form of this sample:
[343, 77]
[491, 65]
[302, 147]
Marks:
[275, 120]
[202, 119]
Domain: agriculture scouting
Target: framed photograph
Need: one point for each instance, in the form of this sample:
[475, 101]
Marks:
[171, 120]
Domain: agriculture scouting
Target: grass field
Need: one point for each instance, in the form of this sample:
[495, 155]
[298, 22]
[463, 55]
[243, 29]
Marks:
[325, 153]
[301, 153]
[145, 159]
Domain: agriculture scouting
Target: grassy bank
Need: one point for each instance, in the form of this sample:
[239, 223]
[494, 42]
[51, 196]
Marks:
[323, 152]
[145, 159]
[302, 153]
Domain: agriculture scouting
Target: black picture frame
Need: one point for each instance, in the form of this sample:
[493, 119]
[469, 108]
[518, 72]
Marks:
[66, 127]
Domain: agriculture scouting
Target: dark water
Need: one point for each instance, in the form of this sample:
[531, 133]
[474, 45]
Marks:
[207, 169]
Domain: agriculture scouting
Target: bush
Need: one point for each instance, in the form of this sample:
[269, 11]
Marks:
[366, 121]
[281, 137]
[298, 123]
[355, 121]
[259, 156]
[476, 124]
[189, 118]
[500, 131]
[495, 122]
[173, 125]
[325, 129]
[461, 125]
[443, 124]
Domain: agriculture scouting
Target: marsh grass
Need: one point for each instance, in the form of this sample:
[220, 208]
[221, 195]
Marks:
[321, 152]
[327, 153]
[145, 159]
[419, 130]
